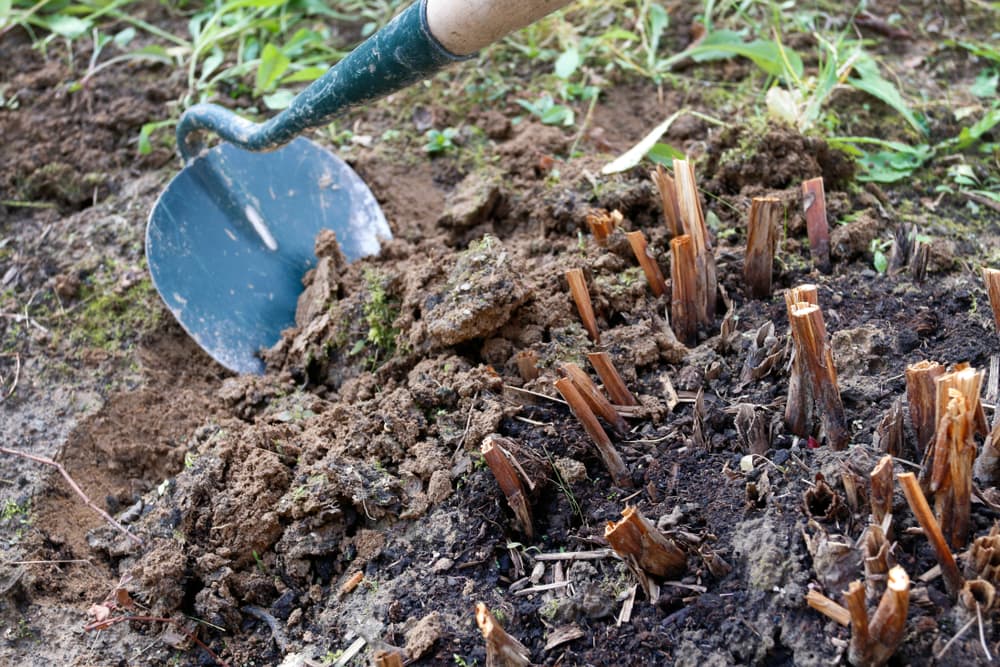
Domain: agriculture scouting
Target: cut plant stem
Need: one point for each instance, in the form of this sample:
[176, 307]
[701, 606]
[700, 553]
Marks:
[502, 650]
[388, 659]
[817, 227]
[649, 266]
[496, 457]
[955, 452]
[799, 406]
[668, 197]
[922, 511]
[859, 650]
[876, 559]
[527, 364]
[649, 554]
[578, 288]
[828, 607]
[595, 399]
[809, 335]
[612, 459]
[693, 222]
[888, 623]
[602, 224]
[921, 394]
[992, 279]
[613, 383]
[684, 305]
[762, 237]
[881, 495]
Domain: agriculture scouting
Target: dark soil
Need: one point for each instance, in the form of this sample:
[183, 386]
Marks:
[259, 499]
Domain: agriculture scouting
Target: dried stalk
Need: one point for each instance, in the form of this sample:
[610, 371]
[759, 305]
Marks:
[684, 305]
[649, 554]
[388, 659]
[693, 222]
[881, 495]
[992, 279]
[919, 258]
[649, 266]
[986, 469]
[762, 237]
[496, 457]
[668, 197]
[984, 557]
[595, 399]
[799, 406]
[76, 489]
[828, 607]
[602, 224]
[502, 650]
[921, 394]
[814, 207]
[612, 459]
[859, 650]
[809, 334]
[955, 452]
[889, 433]
[876, 559]
[613, 383]
[581, 296]
[527, 364]
[922, 511]
[888, 623]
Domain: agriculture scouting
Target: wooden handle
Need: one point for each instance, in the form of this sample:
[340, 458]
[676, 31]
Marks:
[465, 26]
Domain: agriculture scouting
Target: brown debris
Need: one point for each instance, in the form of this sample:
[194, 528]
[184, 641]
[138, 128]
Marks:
[822, 502]
[874, 641]
[578, 289]
[612, 459]
[762, 237]
[828, 607]
[983, 561]
[882, 485]
[649, 266]
[502, 650]
[527, 364]
[889, 433]
[613, 383]
[799, 406]
[817, 227]
[875, 548]
[648, 553]
[921, 510]
[388, 659]
[815, 354]
[496, 457]
[765, 353]
[752, 428]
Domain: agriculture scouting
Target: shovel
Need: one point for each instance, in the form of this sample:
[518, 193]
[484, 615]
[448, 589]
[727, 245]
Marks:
[231, 236]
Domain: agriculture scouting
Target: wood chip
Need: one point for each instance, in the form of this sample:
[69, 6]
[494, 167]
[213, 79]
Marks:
[562, 635]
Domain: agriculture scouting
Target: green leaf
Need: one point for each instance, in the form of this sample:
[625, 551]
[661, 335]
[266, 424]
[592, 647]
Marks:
[658, 20]
[5, 7]
[125, 36]
[970, 135]
[870, 81]
[985, 84]
[567, 63]
[279, 99]
[305, 74]
[664, 154]
[880, 261]
[766, 54]
[273, 64]
[69, 27]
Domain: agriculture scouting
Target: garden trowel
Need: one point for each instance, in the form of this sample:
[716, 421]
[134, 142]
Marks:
[230, 238]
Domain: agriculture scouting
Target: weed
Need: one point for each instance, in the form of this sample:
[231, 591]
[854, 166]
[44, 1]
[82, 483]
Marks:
[549, 111]
[462, 662]
[260, 562]
[440, 141]
[380, 311]
[880, 261]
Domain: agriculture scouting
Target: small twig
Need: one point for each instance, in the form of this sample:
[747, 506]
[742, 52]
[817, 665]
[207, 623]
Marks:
[17, 376]
[277, 632]
[73, 485]
[982, 637]
[951, 641]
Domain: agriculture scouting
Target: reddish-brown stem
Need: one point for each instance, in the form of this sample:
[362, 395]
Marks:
[612, 459]
[859, 650]
[991, 277]
[809, 334]
[668, 198]
[502, 650]
[799, 406]
[824, 605]
[888, 623]
[814, 207]
[595, 399]
[613, 383]
[508, 481]
[684, 305]
[881, 496]
[922, 511]
[693, 221]
[578, 289]
[73, 485]
[649, 266]
[762, 237]
[527, 364]
[645, 549]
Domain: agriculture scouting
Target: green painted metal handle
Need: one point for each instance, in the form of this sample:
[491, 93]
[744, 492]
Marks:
[398, 55]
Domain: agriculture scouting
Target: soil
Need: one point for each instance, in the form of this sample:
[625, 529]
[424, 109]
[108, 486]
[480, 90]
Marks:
[340, 499]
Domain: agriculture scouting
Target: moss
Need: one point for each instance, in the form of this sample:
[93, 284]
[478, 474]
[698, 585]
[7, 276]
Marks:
[113, 319]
